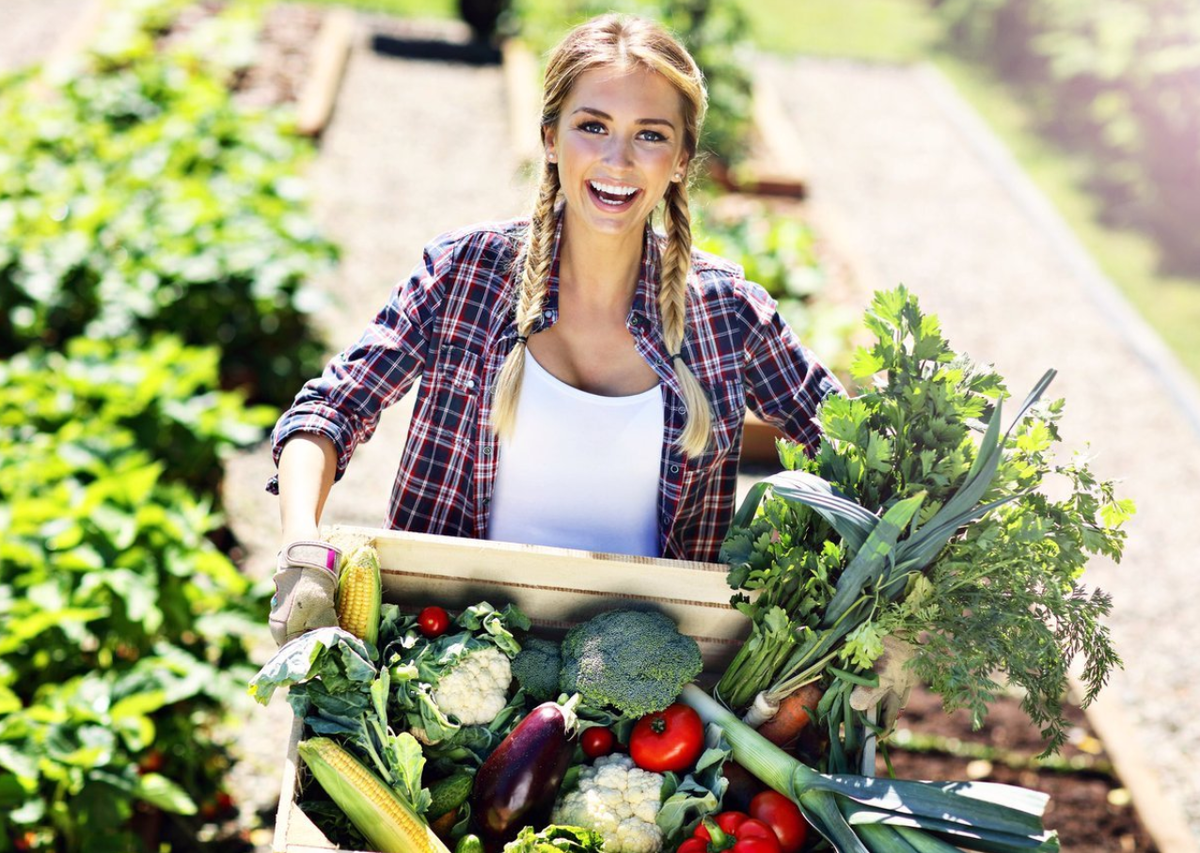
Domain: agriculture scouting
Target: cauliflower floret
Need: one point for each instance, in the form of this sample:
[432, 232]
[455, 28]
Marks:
[476, 689]
[620, 801]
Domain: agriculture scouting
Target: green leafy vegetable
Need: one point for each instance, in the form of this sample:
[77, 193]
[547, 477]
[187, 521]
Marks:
[556, 839]
[904, 523]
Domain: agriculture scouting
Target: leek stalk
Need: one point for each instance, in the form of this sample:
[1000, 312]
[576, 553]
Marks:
[862, 814]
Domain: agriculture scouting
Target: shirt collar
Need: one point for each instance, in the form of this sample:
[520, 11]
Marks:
[645, 295]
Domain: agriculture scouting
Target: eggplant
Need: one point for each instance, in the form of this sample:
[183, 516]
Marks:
[519, 781]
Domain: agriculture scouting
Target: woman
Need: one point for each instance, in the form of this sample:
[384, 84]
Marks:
[583, 377]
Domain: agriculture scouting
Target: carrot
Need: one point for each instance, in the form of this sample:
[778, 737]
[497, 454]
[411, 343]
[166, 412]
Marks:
[442, 825]
[793, 715]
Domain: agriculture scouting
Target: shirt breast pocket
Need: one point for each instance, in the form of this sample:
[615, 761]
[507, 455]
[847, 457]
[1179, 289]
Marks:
[455, 393]
[728, 404]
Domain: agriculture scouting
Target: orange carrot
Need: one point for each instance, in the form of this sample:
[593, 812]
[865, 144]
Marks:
[791, 718]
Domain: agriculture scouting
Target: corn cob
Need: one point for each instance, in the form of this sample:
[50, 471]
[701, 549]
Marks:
[376, 811]
[360, 594]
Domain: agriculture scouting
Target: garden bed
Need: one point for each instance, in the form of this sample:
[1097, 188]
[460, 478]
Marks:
[1089, 807]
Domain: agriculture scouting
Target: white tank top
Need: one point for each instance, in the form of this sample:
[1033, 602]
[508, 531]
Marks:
[581, 470]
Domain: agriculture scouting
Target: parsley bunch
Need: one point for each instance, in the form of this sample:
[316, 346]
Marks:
[916, 518]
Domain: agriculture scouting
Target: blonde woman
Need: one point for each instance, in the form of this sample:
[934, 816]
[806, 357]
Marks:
[584, 376]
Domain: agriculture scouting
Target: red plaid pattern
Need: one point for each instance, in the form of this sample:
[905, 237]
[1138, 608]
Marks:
[450, 325]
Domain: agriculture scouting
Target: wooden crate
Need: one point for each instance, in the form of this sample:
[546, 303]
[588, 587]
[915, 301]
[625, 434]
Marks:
[555, 587]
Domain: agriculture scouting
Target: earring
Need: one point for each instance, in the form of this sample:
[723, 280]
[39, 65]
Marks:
[679, 176]
[552, 158]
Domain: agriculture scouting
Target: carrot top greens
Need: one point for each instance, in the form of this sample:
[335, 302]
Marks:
[918, 518]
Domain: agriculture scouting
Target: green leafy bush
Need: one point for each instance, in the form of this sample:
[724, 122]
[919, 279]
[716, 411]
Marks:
[126, 631]
[161, 391]
[139, 197]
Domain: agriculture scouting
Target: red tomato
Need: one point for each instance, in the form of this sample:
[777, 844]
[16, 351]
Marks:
[670, 740]
[433, 622]
[597, 741]
[783, 816]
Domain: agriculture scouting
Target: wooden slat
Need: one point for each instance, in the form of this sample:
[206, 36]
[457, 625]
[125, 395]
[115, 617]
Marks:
[524, 109]
[330, 51]
[775, 165]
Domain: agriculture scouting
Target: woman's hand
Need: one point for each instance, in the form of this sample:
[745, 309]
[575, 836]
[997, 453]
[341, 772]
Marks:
[305, 589]
[307, 568]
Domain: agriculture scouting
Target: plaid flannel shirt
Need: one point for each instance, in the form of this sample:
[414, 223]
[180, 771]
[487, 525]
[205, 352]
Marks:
[451, 324]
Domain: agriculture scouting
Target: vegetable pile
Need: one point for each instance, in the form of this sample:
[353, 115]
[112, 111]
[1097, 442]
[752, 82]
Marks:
[918, 541]
[440, 731]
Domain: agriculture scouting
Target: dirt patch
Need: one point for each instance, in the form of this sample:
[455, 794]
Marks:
[1088, 807]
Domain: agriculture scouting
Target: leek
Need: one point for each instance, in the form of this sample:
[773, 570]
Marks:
[864, 814]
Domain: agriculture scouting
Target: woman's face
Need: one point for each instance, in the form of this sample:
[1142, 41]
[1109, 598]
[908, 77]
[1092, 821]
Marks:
[618, 144]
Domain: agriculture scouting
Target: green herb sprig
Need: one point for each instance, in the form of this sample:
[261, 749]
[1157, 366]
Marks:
[995, 586]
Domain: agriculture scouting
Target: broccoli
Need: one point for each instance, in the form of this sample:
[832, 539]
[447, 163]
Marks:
[636, 662]
[536, 668]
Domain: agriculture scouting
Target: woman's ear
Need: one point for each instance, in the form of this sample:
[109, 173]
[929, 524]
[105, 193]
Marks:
[681, 168]
[548, 145]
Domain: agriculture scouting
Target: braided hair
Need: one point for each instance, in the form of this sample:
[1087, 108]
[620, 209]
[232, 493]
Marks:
[620, 42]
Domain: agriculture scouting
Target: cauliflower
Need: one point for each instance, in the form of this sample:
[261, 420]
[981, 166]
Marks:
[618, 800]
[476, 689]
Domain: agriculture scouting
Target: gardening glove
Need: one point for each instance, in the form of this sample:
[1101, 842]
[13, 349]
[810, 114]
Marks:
[305, 587]
[896, 681]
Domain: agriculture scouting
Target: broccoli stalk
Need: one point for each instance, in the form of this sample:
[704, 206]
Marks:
[636, 662]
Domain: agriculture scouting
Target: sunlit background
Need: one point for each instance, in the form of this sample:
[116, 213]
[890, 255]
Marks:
[179, 251]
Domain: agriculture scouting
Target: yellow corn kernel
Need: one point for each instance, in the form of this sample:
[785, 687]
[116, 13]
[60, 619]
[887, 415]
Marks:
[360, 594]
[376, 811]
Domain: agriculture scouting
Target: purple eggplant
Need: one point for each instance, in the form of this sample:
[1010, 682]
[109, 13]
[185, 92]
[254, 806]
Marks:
[519, 781]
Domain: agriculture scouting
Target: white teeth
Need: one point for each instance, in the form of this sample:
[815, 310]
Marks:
[612, 190]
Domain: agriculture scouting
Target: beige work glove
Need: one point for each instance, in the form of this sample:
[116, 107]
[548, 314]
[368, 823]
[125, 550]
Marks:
[896, 681]
[305, 589]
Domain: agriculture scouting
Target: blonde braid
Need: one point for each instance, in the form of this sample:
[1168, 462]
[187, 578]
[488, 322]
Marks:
[535, 273]
[672, 304]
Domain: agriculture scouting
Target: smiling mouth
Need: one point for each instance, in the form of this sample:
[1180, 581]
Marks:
[611, 195]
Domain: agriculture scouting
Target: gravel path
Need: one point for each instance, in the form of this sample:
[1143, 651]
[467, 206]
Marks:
[925, 197]
[29, 28]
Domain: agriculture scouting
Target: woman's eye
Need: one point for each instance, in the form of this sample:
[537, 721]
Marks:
[653, 136]
[592, 127]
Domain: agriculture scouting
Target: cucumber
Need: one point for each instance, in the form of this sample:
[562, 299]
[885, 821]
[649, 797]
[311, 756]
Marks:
[449, 793]
[469, 844]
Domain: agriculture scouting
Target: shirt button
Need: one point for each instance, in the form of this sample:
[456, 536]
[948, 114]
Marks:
[674, 469]
[487, 450]
[469, 384]
[633, 321]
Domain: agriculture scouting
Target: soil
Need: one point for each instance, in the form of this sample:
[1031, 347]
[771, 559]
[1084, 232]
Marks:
[1088, 807]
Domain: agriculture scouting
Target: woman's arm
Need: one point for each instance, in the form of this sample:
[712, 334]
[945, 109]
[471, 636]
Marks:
[307, 465]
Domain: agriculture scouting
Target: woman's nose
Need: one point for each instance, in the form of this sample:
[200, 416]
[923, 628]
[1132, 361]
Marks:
[619, 151]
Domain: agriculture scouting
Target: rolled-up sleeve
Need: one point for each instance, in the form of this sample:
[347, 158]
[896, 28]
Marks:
[785, 383]
[345, 402]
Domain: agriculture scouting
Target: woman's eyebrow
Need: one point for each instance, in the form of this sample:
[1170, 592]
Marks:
[607, 117]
